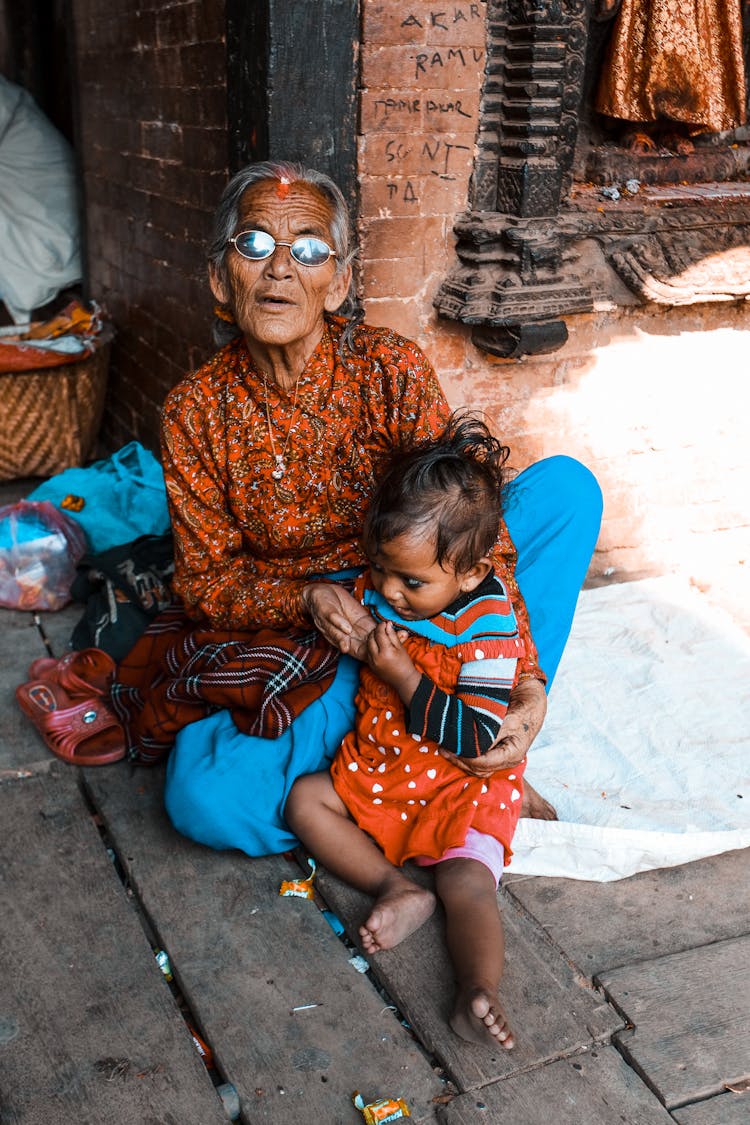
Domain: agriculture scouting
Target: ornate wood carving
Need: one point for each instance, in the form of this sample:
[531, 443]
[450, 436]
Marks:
[519, 245]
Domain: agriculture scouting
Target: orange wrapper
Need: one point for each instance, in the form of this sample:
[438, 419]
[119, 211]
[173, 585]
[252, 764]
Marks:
[382, 1111]
[299, 888]
[201, 1047]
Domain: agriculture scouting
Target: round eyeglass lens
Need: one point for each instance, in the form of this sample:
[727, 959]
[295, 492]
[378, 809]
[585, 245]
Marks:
[255, 244]
[310, 251]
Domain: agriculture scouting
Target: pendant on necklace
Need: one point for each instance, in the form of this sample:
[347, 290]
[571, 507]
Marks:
[280, 469]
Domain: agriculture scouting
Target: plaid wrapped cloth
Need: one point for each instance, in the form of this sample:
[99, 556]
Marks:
[178, 672]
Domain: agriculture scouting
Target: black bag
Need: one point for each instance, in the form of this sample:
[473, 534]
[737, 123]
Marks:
[123, 589]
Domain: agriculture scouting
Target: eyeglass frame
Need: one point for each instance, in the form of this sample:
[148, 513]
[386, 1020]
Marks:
[277, 242]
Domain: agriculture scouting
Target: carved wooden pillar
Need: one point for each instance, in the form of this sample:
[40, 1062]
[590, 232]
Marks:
[516, 276]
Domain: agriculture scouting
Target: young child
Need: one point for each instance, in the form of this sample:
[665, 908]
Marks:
[441, 661]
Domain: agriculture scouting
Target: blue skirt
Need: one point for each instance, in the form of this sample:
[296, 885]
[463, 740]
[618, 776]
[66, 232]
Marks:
[228, 790]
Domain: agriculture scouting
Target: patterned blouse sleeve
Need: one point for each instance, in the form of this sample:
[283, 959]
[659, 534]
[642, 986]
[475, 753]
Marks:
[218, 583]
[212, 575]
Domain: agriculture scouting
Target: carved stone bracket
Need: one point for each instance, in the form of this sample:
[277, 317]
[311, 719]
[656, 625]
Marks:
[519, 245]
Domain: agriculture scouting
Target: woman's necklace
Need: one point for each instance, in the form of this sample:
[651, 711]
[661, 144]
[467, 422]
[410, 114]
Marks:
[279, 458]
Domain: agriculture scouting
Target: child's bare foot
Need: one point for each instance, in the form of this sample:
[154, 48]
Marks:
[534, 805]
[397, 913]
[478, 1017]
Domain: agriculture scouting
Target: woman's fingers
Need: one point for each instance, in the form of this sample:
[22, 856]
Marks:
[338, 616]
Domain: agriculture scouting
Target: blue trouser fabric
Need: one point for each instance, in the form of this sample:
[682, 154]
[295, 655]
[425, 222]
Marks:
[228, 790]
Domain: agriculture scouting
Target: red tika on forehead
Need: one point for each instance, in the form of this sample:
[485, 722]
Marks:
[282, 188]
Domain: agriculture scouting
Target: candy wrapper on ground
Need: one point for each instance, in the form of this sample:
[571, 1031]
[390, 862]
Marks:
[299, 888]
[381, 1111]
[40, 548]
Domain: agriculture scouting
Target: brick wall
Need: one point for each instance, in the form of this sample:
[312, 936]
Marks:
[653, 400]
[151, 82]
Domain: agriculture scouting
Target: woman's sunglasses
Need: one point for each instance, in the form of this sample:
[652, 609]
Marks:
[255, 245]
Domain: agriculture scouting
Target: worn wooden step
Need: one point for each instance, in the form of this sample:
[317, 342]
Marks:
[691, 1032]
[552, 1010]
[89, 1032]
[246, 958]
[593, 1088]
[724, 1109]
[603, 925]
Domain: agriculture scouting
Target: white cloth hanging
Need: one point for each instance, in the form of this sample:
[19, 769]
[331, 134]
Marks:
[39, 224]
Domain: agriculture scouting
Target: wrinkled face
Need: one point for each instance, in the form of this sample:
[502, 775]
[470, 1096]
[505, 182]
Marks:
[278, 302]
[405, 571]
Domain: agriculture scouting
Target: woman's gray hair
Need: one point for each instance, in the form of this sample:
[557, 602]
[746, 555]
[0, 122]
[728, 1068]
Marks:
[226, 220]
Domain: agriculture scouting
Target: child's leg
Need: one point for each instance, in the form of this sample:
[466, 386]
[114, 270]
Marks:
[320, 818]
[474, 930]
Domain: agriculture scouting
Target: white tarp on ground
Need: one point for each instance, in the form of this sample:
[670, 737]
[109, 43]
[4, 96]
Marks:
[645, 752]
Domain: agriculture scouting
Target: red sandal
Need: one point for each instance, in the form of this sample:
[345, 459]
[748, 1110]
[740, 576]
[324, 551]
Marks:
[83, 732]
[85, 673]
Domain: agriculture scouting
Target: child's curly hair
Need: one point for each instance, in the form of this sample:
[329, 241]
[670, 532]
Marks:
[449, 489]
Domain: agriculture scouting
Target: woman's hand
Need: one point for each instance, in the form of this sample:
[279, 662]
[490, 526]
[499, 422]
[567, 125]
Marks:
[389, 659]
[339, 617]
[521, 725]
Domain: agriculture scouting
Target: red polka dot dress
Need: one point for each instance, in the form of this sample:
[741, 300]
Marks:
[389, 771]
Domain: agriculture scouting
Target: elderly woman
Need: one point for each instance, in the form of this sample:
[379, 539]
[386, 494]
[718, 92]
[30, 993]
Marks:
[270, 454]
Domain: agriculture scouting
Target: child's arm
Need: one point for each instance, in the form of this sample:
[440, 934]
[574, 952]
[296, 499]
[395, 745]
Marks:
[521, 725]
[389, 659]
[466, 722]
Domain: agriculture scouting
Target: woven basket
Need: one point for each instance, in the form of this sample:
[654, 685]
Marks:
[50, 418]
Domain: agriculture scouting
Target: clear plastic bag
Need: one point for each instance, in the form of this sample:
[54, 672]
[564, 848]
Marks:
[40, 548]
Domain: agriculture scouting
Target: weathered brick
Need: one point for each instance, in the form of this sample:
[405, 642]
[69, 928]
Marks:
[433, 68]
[205, 148]
[416, 153]
[391, 277]
[167, 64]
[391, 110]
[201, 62]
[444, 195]
[462, 25]
[161, 140]
[177, 24]
[401, 315]
[146, 219]
[392, 238]
[448, 111]
[446, 344]
[419, 22]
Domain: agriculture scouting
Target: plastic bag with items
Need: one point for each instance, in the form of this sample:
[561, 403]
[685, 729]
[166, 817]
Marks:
[40, 549]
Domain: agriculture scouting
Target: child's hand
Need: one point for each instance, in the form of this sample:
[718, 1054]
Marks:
[390, 660]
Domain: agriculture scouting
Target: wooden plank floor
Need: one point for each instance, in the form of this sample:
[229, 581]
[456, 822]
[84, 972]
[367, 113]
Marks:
[78, 1044]
[691, 1018]
[245, 958]
[552, 1010]
[89, 1031]
[596, 1088]
[647, 915]
[724, 1109]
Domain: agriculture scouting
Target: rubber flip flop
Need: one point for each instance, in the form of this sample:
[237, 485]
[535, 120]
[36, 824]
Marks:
[81, 732]
[85, 673]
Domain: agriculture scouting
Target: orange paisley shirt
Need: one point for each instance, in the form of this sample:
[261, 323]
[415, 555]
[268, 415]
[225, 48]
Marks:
[247, 544]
